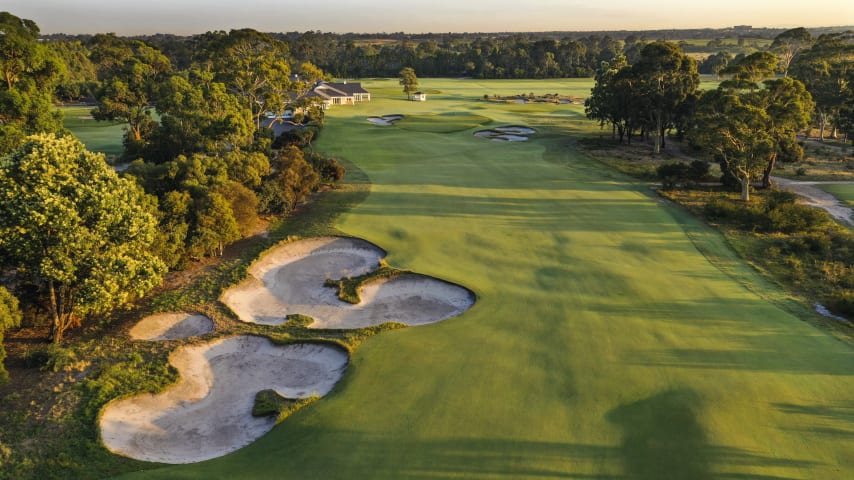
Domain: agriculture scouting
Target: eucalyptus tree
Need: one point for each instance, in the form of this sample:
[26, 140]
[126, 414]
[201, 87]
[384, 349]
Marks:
[71, 226]
[254, 67]
[788, 45]
[748, 128]
[30, 72]
[131, 72]
[667, 78]
[826, 70]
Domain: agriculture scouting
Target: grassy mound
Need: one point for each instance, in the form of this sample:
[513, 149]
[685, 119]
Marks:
[442, 123]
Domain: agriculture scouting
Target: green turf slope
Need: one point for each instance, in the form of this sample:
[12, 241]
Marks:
[604, 344]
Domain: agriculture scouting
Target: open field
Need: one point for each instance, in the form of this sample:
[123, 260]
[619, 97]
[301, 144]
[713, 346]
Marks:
[613, 335]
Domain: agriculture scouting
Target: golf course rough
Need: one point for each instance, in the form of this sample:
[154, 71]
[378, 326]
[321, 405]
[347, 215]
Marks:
[289, 279]
[614, 336]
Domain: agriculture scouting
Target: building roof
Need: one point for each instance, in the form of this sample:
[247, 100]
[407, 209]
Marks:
[348, 88]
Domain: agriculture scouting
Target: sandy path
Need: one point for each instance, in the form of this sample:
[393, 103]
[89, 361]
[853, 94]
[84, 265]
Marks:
[207, 414]
[290, 279]
[171, 326]
[817, 197]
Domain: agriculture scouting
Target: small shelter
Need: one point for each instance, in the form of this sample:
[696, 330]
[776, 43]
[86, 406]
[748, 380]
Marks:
[419, 97]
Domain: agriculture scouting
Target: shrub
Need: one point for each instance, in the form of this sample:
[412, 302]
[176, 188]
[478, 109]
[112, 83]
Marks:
[794, 217]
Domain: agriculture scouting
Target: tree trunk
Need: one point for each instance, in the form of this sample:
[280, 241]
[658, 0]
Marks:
[58, 327]
[821, 123]
[766, 175]
[745, 188]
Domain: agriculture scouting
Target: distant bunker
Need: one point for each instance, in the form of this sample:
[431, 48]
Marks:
[385, 120]
[171, 326]
[290, 280]
[208, 413]
[510, 133]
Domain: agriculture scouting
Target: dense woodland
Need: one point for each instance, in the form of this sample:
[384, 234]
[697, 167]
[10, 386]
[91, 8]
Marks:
[204, 163]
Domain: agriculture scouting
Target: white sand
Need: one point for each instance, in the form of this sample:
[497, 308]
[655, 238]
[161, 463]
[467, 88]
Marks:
[516, 130]
[385, 120]
[290, 278]
[171, 326]
[207, 414]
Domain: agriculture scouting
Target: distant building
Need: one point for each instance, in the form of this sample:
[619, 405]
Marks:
[419, 97]
[342, 93]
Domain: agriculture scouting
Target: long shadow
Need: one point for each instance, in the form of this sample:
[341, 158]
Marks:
[547, 214]
[663, 439]
[753, 342]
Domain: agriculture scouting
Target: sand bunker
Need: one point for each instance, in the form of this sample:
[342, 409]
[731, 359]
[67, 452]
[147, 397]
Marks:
[208, 413]
[171, 326]
[510, 133]
[290, 280]
[385, 120]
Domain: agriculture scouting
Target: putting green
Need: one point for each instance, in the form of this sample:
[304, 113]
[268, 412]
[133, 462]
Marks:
[603, 345]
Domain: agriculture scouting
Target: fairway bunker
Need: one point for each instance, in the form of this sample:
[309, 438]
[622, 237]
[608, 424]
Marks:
[290, 280]
[510, 133]
[385, 120]
[171, 326]
[208, 413]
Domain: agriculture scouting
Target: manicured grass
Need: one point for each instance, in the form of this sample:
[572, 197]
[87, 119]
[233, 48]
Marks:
[613, 336]
[844, 192]
[103, 137]
[445, 123]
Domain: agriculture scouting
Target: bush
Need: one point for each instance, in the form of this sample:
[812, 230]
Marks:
[681, 173]
[794, 217]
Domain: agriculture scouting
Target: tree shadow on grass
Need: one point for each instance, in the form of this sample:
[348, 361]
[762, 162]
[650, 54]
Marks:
[663, 439]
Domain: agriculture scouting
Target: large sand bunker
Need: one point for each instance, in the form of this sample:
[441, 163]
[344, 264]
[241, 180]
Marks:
[385, 120]
[208, 413]
[290, 280]
[171, 326]
[509, 133]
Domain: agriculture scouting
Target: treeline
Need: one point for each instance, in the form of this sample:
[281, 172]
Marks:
[76, 237]
[751, 120]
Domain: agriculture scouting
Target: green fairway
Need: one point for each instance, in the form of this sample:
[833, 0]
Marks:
[842, 191]
[103, 137]
[613, 337]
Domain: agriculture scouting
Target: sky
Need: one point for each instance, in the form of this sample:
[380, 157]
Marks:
[183, 17]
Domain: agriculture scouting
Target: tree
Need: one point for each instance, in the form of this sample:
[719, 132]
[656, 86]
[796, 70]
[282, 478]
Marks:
[734, 131]
[30, 72]
[198, 115]
[71, 226]
[788, 45]
[254, 67]
[667, 78]
[409, 81]
[826, 70]
[10, 317]
[131, 72]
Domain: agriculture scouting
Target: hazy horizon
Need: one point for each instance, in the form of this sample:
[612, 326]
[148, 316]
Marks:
[126, 17]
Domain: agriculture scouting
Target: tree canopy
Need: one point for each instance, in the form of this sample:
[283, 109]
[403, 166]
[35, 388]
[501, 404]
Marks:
[30, 72]
[72, 227]
[409, 81]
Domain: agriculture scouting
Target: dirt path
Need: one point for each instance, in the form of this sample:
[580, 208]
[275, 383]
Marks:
[817, 197]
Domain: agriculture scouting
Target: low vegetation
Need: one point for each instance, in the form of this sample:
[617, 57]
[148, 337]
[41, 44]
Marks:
[350, 287]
